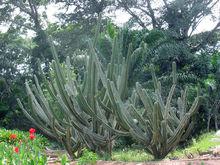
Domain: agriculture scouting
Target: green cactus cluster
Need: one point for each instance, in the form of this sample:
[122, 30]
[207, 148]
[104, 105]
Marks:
[99, 108]
[161, 125]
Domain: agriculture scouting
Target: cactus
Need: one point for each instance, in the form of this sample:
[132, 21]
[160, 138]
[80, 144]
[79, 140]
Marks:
[43, 113]
[160, 127]
[92, 112]
[84, 115]
[93, 99]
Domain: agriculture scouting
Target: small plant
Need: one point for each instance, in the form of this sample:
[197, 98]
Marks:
[87, 158]
[64, 159]
[202, 163]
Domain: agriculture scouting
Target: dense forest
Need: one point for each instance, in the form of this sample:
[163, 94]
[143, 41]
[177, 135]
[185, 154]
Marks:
[82, 80]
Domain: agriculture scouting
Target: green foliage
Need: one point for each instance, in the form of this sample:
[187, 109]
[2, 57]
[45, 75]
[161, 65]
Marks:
[215, 60]
[40, 52]
[21, 136]
[211, 84]
[10, 114]
[111, 30]
[25, 155]
[87, 158]
[64, 159]
[180, 18]
[14, 50]
[21, 150]
[161, 49]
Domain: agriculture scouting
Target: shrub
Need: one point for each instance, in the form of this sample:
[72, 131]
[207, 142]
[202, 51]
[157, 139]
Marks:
[87, 158]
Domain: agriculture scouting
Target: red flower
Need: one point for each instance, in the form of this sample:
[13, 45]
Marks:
[32, 130]
[16, 149]
[13, 136]
[32, 136]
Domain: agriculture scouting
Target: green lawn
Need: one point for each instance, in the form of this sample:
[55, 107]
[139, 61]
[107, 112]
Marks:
[202, 144]
[199, 145]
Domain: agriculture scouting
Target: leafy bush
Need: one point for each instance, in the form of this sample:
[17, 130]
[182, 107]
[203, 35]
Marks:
[10, 114]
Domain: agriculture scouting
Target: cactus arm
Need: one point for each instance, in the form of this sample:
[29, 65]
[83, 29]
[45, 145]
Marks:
[45, 130]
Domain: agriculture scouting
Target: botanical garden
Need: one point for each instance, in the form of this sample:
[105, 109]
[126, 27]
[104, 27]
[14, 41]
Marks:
[76, 87]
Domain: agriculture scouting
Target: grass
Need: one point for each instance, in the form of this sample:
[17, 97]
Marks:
[131, 155]
[200, 145]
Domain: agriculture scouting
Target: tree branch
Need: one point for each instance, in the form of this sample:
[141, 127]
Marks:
[140, 22]
[22, 7]
[166, 4]
[34, 15]
[145, 11]
[151, 11]
[124, 5]
[195, 25]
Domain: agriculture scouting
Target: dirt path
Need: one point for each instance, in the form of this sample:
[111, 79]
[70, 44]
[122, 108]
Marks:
[173, 162]
[168, 162]
[213, 161]
[208, 159]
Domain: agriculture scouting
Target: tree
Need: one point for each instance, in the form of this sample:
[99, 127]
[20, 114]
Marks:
[23, 15]
[180, 17]
[14, 57]
[84, 11]
[212, 96]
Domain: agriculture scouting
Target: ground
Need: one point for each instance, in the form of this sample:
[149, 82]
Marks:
[166, 162]
[211, 158]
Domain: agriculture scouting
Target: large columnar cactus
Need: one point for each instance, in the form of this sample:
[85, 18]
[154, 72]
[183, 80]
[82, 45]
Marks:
[159, 126]
[79, 113]
[46, 112]
[93, 111]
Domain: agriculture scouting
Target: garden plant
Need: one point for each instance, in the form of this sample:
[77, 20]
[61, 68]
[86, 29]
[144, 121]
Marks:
[22, 148]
